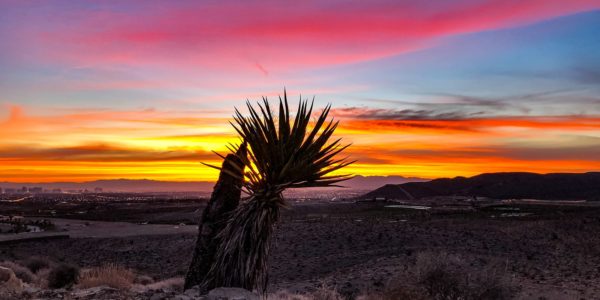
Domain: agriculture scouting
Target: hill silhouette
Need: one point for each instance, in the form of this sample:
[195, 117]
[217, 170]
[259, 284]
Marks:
[517, 185]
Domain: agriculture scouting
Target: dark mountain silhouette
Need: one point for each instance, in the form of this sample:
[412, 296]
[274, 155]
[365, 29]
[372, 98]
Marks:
[372, 182]
[553, 186]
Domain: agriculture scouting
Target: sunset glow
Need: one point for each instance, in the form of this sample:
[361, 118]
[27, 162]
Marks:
[145, 89]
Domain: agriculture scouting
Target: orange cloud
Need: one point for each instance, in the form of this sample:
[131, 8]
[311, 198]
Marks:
[93, 144]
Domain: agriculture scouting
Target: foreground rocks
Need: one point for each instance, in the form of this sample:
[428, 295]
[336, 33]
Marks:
[108, 293]
[10, 285]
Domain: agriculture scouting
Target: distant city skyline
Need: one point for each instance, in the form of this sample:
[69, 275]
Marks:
[145, 89]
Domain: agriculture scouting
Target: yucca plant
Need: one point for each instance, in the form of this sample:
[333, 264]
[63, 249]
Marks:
[283, 152]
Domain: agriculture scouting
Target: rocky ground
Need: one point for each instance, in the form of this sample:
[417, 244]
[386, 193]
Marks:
[552, 253]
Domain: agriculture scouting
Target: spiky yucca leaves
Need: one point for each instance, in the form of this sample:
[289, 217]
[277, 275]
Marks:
[283, 153]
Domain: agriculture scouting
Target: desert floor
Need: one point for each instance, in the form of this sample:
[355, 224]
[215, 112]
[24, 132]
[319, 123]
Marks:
[553, 252]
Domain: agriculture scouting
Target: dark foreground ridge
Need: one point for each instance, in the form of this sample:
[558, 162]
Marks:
[518, 185]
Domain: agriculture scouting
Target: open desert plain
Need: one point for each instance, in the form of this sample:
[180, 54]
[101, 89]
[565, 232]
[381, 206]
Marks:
[525, 250]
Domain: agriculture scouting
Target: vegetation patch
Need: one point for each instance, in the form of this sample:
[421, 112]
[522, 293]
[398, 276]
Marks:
[110, 275]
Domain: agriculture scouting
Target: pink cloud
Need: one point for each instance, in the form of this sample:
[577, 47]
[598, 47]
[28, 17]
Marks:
[273, 36]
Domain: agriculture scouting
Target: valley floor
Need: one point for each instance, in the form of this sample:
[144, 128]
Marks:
[551, 253]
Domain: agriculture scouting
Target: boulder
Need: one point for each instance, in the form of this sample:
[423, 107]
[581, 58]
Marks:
[230, 293]
[193, 291]
[10, 285]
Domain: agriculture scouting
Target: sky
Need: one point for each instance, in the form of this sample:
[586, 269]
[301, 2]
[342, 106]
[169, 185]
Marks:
[145, 89]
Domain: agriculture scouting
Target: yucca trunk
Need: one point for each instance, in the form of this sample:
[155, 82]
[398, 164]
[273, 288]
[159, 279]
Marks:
[223, 201]
[241, 258]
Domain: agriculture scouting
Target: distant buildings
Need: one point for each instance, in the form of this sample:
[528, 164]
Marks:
[24, 190]
[40, 190]
[36, 190]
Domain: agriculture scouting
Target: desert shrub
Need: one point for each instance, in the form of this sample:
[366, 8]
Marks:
[109, 275]
[42, 276]
[440, 275]
[491, 283]
[285, 295]
[443, 276]
[21, 272]
[62, 275]
[324, 292]
[34, 264]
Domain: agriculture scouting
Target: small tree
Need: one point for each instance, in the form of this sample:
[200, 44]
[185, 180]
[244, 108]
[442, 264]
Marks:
[282, 153]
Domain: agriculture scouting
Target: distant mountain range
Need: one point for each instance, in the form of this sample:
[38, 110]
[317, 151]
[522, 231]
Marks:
[554, 186]
[147, 186]
[120, 185]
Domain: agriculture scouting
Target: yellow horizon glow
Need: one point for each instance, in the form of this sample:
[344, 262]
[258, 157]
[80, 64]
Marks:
[169, 146]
